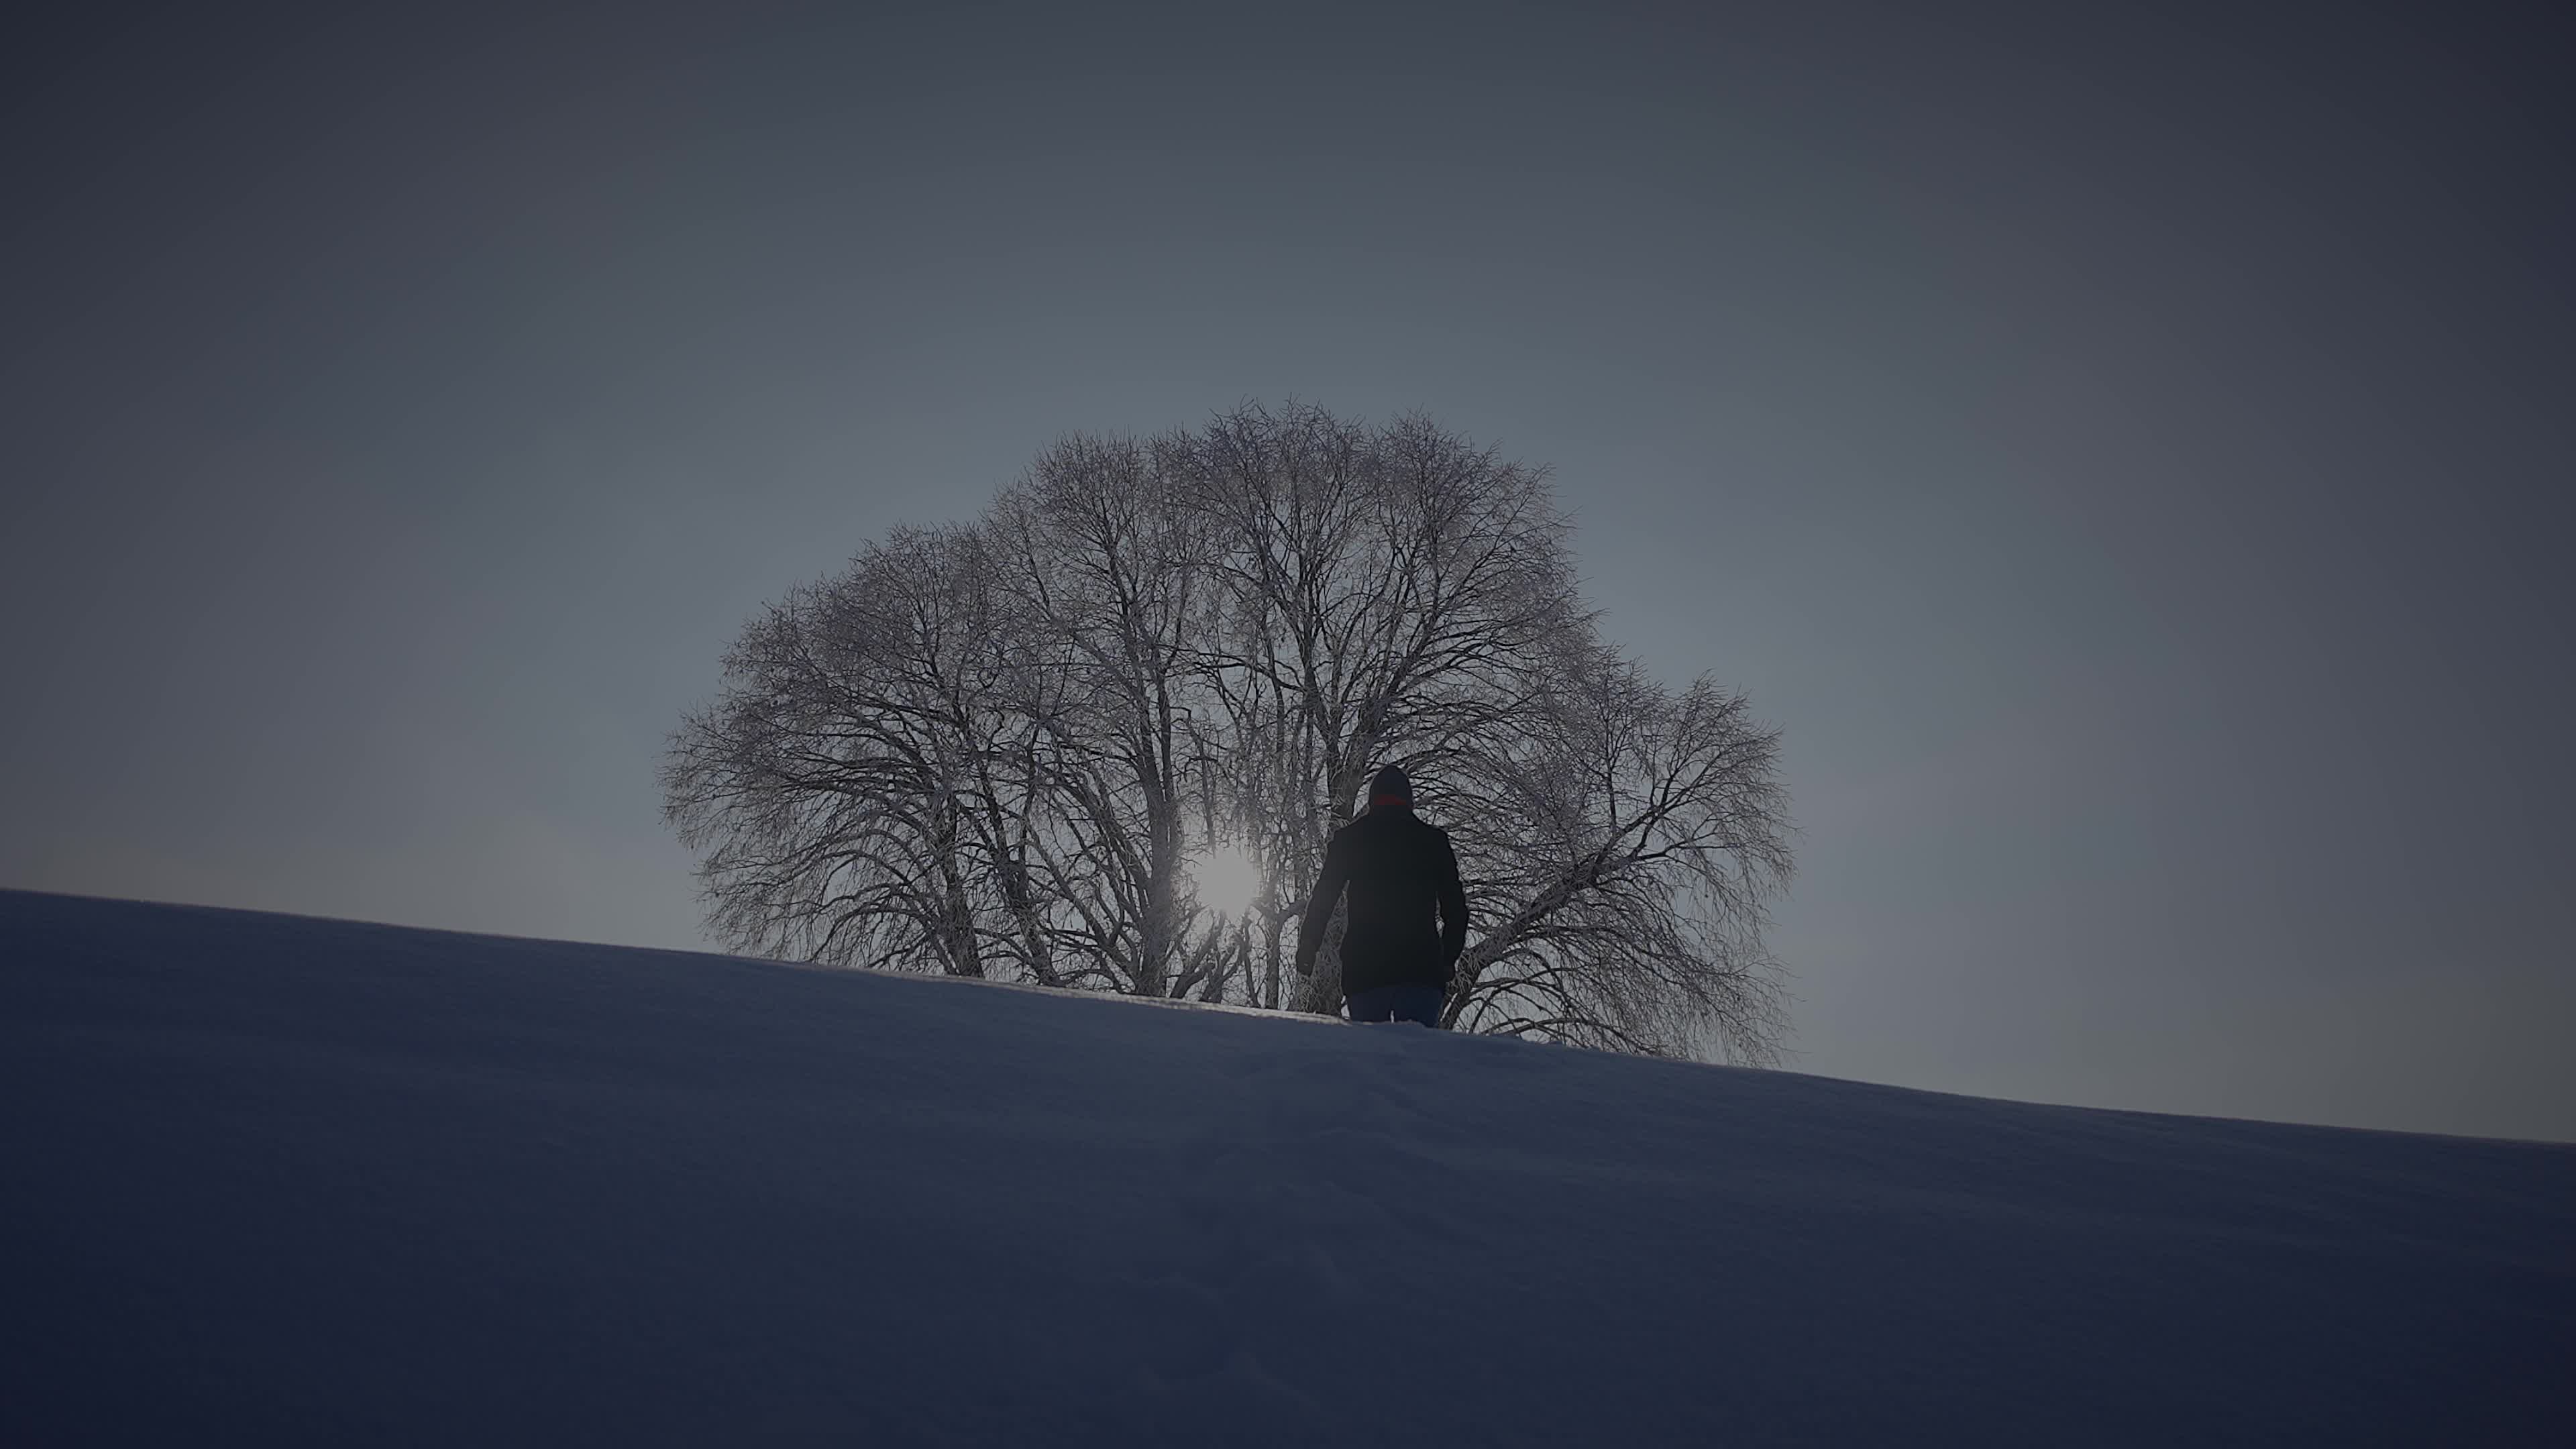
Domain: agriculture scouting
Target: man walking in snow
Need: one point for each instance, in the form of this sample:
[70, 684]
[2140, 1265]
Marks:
[1408, 917]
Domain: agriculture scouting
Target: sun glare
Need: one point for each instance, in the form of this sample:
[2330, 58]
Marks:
[1227, 880]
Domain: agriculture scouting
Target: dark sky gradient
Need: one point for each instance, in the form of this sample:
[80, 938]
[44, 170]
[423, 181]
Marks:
[2128, 454]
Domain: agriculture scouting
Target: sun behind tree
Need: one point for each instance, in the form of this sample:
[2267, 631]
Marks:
[1226, 880]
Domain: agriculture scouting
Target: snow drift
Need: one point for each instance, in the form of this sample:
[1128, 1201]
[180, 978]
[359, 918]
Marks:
[274, 1179]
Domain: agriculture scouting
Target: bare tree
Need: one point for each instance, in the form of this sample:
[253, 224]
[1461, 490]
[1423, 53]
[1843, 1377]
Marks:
[1106, 573]
[1630, 836]
[1388, 593]
[1002, 748]
[833, 789]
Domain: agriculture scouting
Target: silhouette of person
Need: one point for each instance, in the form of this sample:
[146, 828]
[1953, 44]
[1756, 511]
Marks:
[1408, 918]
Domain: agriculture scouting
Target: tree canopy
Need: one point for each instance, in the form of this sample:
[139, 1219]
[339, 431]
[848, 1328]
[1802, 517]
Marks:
[1011, 747]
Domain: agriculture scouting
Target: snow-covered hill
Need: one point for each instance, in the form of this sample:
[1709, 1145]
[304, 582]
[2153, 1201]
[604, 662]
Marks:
[271, 1179]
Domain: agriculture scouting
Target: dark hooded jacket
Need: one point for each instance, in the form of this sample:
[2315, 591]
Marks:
[1408, 910]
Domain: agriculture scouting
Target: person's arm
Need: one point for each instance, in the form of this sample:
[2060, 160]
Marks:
[1453, 910]
[1319, 910]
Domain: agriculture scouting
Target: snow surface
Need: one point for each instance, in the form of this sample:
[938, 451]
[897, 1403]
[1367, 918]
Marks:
[271, 1179]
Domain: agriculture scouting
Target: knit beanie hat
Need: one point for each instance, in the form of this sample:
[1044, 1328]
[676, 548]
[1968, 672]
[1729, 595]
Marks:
[1391, 787]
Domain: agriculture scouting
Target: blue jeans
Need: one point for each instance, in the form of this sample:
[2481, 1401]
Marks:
[1418, 1004]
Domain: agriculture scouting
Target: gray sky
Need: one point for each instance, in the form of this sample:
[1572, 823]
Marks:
[2128, 455]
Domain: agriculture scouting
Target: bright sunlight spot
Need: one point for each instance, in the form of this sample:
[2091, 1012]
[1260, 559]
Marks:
[1227, 880]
